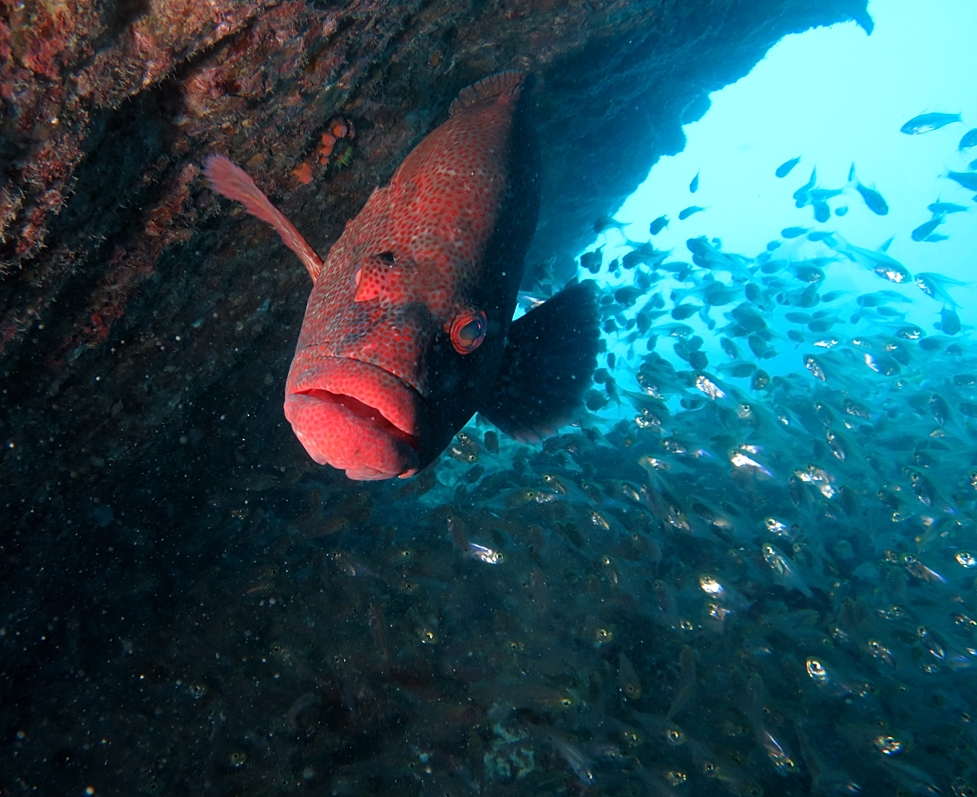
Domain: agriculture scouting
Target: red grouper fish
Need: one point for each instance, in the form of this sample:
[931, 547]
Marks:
[408, 331]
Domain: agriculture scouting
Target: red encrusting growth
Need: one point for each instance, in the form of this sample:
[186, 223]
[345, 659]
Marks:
[303, 173]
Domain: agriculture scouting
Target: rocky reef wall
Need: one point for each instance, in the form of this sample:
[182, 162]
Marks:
[146, 325]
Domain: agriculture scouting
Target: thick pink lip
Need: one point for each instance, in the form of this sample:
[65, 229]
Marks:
[353, 416]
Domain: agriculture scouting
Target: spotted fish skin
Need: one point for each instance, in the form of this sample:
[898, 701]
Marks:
[447, 234]
[406, 325]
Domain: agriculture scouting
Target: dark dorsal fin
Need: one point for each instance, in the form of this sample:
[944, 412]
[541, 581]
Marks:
[489, 87]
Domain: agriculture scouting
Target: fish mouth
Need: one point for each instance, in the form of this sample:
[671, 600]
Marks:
[354, 416]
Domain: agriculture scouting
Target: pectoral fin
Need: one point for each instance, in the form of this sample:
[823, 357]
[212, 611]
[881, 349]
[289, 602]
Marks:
[235, 183]
[548, 363]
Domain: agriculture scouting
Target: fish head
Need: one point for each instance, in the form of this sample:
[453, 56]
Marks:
[391, 359]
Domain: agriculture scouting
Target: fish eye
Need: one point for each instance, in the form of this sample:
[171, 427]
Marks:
[468, 330]
[675, 736]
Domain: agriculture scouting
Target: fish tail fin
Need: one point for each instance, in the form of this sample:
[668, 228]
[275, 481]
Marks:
[232, 181]
[840, 245]
[548, 363]
[510, 81]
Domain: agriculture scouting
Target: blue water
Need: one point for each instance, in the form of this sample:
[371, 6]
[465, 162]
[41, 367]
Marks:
[833, 96]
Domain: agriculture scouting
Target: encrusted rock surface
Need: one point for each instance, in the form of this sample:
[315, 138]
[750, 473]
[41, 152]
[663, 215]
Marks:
[146, 325]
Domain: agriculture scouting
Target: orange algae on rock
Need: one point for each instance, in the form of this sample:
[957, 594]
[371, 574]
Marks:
[303, 172]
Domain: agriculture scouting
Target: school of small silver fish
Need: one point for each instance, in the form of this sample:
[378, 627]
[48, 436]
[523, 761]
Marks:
[762, 578]
[751, 569]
